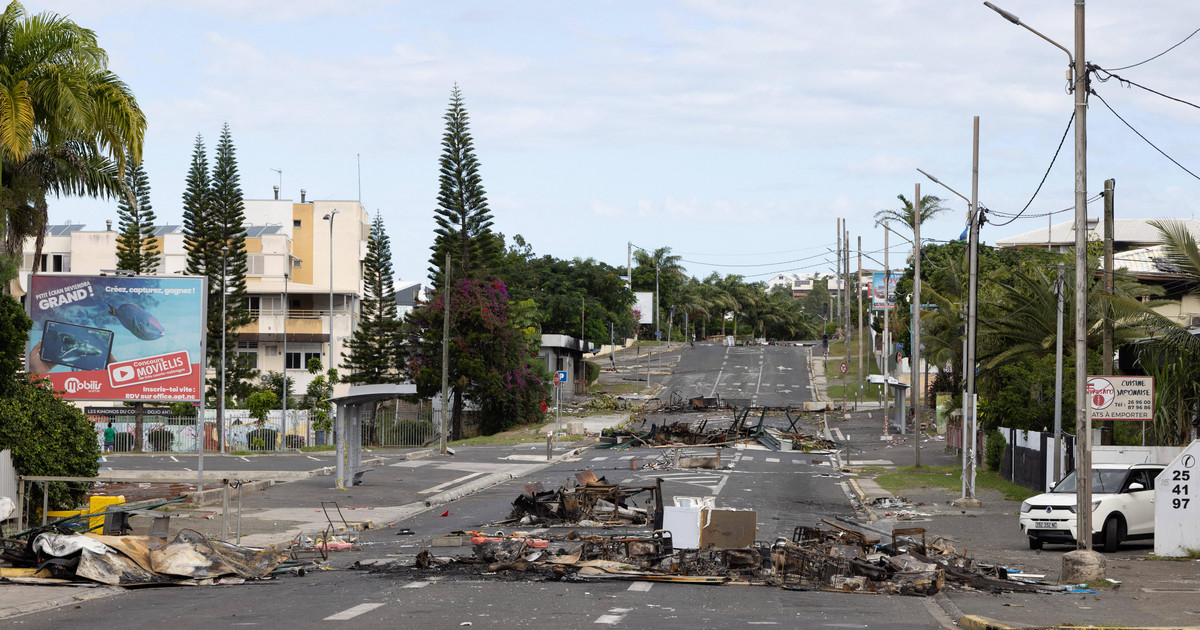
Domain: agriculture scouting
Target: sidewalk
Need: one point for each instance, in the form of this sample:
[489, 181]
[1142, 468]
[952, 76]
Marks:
[1152, 593]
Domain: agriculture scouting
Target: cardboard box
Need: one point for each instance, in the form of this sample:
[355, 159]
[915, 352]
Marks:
[727, 529]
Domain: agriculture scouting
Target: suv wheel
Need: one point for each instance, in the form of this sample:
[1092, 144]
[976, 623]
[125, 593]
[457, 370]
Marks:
[1112, 534]
[1035, 543]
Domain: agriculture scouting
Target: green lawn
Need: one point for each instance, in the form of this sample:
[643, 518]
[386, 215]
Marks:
[950, 478]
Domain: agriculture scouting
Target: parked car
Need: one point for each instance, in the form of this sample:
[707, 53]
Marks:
[1122, 507]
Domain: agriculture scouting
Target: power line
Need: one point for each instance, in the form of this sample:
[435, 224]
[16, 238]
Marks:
[1045, 175]
[1127, 82]
[1159, 54]
[1144, 138]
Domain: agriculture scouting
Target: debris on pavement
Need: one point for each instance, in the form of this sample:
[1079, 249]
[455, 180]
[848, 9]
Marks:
[589, 500]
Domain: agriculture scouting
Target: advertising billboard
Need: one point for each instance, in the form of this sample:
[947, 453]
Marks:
[644, 305]
[883, 294]
[118, 337]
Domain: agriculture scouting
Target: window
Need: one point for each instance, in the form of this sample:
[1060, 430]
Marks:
[254, 303]
[248, 358]
[560, 363]
[243, 345]
[55, 262]
[295, 223]
[292, 361]
[294, 303]
[255, 264]
[296, 263]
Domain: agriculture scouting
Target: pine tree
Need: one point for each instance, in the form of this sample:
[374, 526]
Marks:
[229, 232]
[197, 219]
[373, 357]
[464, 223]
[136, 249]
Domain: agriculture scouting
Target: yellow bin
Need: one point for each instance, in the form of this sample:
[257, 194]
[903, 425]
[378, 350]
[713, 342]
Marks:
[101, 504]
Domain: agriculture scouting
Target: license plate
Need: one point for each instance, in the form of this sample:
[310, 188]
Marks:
[1045, 525]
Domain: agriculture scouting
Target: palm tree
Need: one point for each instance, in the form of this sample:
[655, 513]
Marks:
[66, 121]
[658, 269]
[931, 206]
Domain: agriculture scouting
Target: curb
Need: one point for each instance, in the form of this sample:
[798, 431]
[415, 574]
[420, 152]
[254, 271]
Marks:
[467, 488]
[50, 604]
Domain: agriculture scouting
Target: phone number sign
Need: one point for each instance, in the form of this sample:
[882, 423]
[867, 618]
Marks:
[1121, 397]
[1176, 501]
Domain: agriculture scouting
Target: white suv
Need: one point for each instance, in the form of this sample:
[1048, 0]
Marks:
[1122, 507]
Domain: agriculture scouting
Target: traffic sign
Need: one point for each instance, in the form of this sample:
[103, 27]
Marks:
[560, 377]
[843, 367]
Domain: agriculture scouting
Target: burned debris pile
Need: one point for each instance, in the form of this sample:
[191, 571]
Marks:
[589, 501]
[720, 430]
[832, 558]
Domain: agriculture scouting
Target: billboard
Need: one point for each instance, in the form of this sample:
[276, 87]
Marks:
[883, 294]
[644, 305]
[118, 337]
[1121, 397]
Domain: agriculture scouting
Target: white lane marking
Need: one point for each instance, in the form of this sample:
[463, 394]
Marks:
[795, 461]
[422, 584]
[352, 612]
[626, 458]
[641, 586]
[747, 458]
[759, 385]
[245, 460]
[317, 460]
[185, 468]
[442, 486]
[599, 459]
[772, 460]
[174, 460]
[614, 616]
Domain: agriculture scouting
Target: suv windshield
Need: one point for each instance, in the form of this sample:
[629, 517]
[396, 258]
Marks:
[1104, 481]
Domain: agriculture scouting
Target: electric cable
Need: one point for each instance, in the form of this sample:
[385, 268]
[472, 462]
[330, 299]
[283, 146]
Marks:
[1070, 122]
[1159, 54]
[1144, 138]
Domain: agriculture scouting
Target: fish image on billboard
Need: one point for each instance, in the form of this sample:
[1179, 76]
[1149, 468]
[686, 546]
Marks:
[142, 324]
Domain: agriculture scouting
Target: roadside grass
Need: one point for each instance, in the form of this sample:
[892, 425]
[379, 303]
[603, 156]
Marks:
[833, 373]
[1190, 554]
[949, 478]
[318, 448]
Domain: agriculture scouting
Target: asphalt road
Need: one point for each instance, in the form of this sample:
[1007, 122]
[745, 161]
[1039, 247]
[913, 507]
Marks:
[769, 376]
[786, 489]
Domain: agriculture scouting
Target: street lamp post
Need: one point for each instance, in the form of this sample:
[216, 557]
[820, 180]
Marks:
[968, 498]
[221, 402]
[329, 217]
[1078, 78]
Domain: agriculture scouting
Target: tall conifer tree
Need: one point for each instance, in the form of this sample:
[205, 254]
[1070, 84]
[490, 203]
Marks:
[464, 222]
[373, 357]
[229, 230]
[136, 248]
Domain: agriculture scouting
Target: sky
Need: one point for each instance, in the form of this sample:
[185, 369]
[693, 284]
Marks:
[733, 132]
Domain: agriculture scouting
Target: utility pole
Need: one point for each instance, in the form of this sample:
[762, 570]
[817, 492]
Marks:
[1058, 372]
[860, 317]
[887, 315]
[1083, 416]
[445, 354]
[1106, 432]
[916, 329]
[969, 498]
[838, 275]
[846, 275]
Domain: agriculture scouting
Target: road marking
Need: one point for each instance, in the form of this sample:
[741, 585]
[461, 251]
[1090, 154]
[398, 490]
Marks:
[421, 584]
[353, 612]
[747, 458]
[442, 486]
[174, 460]
[641, 586]
[614, 616]
[185, 469]
[245, 460]
[759, 385]
[317, 460]
[626, 458]
[772, 460]
[795, 461]
[599, 459]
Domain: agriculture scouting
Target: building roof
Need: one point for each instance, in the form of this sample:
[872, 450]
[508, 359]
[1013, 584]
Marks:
[63, 230]
[1127, 233]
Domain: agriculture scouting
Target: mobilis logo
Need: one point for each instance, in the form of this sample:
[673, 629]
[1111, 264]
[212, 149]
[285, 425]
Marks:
[75, 385]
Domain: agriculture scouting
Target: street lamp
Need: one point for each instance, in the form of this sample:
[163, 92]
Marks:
[287, 274]
[1078, 80]
[329, 217]
[968, 498]
[221, 402]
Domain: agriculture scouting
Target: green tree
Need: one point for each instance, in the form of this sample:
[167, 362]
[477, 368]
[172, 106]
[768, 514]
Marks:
[373, 354]
[66, 121]
[661, 270]
[316, 397]
[464, 222]
[136, 248]
[492, 362]
[931, 206]
[215, 241]
[46, 435]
